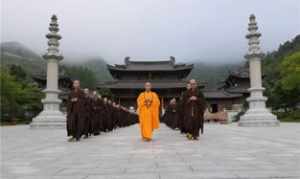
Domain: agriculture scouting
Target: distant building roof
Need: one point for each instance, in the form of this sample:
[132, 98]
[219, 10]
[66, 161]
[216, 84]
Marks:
[237, 90]
[219, 94]
[150, 65]
[242, 72]
[128, 84]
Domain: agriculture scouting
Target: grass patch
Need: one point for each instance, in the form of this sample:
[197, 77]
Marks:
[15, 122]
[292, 116]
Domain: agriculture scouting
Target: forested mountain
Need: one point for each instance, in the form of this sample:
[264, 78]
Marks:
[18, 54]
[212, 74]
[282, 75]
[95, 64]
[89, 71]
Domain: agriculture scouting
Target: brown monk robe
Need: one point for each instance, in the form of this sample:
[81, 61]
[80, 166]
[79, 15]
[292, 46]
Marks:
[122, 119]
[127, 117]
[115, 115]
[106, 115]
[87, 113]
[180, 112]
[100, 112]
[110, 122]
[171, 115]
[194, 107]
[96, 114]
[75, 112]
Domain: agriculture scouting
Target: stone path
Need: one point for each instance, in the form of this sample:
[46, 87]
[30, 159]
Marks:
[225, 151]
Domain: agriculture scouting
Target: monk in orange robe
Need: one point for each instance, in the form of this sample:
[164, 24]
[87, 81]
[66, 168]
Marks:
[148, 111]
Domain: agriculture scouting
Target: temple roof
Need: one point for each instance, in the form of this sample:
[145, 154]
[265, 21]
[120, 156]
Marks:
[242, 72]
[238, 90]
[219, 94]
[127, 84]
[150, 65]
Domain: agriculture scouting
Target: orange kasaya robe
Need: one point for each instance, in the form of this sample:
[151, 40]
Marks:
[148, 116]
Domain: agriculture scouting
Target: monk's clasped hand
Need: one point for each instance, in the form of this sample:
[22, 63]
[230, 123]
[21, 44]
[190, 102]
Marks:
[74, 99]
[193, 98]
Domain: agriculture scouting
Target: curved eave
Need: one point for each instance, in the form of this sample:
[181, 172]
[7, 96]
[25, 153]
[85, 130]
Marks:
[140, 85]
[238, 76]
[208, 96]
[117, 69]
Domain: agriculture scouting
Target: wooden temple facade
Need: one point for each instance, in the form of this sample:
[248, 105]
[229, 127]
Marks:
[169, 80]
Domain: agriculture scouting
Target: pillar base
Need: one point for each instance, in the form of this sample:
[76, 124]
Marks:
[258, 118]
[49, 119]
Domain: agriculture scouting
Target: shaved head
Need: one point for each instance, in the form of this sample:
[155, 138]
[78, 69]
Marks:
[86, 90]
[193, 84]
[188, 86]
[76, 84]
[148, 86]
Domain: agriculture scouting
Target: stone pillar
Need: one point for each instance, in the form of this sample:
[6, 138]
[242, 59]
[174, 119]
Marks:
[257, 114]
[51, 116]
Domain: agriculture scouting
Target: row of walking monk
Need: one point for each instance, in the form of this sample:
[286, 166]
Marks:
[90, 114]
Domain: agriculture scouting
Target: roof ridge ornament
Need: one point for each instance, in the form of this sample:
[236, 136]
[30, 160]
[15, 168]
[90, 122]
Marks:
[172, 60]
[127, 60]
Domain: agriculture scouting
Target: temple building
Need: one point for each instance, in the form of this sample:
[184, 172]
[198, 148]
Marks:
[231, 93]
[169, 80]
[238, 82]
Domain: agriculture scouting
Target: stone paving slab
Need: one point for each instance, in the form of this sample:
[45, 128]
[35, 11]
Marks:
[224, 152]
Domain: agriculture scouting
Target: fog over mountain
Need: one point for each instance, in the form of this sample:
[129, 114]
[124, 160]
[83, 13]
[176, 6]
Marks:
[191, 30]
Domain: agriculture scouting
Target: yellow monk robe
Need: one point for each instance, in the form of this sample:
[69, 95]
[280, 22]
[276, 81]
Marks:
[148, 113]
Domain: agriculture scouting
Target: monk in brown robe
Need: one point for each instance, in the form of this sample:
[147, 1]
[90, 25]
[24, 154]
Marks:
[87, 113]
[123, 115]
[110, 122]
[106, 115]
[180, 107]
[75, 112]
[171, 115]
[115, 114]
[96, 113]
[194, 107]
[127, 117]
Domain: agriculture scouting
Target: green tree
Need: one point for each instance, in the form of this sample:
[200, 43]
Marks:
[280, 75]
[87, 77]
[18, 72]
[290, 72]
[19, 99]
[10, 91]
[288, 86]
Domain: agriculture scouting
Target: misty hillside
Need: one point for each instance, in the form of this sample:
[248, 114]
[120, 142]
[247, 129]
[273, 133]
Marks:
[212, 74]
[18, 54]
[18, 49]
[95, 64]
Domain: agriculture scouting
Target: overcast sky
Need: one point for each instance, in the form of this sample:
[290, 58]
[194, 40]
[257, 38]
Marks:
[207, 30]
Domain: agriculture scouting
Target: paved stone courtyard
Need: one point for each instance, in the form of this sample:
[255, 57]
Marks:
[225, 151]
